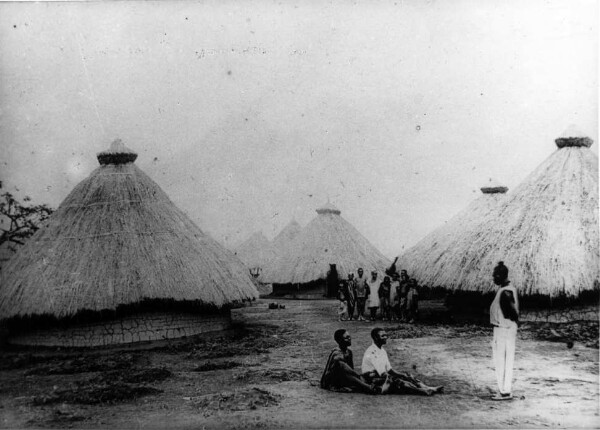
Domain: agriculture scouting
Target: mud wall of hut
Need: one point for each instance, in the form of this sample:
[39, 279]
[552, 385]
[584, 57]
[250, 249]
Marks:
[130, 329]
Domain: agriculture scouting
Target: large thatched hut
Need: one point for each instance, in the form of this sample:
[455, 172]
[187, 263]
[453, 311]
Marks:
[119, 263]
[434, 260]
[325, 241]
[545, 231]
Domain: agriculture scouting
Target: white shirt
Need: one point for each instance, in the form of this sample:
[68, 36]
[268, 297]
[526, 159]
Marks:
[496, 315]
[375, 359]
[374, 296]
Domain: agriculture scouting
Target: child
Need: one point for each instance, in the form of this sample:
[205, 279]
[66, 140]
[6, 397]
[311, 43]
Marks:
[343, 311]
[343, 307]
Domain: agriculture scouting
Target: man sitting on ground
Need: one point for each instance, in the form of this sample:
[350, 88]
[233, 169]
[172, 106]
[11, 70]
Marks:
[376, 369]
[339, 373]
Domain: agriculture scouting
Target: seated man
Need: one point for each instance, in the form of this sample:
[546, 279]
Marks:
[377, 370]
[339, 373]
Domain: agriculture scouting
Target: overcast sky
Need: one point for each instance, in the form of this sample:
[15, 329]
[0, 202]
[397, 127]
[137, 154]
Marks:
[249, 114]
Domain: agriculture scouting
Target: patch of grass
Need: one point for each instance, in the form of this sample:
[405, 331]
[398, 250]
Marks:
[409, 331]
[585, 332]
[279, 375]
[96, 394]
[108, 387]
[84, 364]
[205, 367]
[250, 399]
[246, 340]
[142, 376]
[20, 361]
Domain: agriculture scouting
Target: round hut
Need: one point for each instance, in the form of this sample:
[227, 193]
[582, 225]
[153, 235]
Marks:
[435, 260]
[285, 237]
[325, 241]
[119, 263]
[545, 231]
[255, 252]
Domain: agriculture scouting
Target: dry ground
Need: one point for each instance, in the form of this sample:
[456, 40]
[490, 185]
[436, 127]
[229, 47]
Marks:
[265, 375]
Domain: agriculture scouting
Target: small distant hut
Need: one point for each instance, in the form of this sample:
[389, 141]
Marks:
[285, 237]
[325, 241]
[545, 231]
[255, 252]
[118, 263]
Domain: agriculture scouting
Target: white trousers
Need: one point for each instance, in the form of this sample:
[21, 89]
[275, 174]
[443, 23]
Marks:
[503, 350]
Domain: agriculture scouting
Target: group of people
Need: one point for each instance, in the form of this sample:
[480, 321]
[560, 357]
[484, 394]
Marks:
[377, 375]
[394, 298]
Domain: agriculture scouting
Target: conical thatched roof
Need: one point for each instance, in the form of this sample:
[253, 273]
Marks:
[327, 239]
[434, 260]
[255, 251]
[286, 236]
[117, 239]
[545, 231]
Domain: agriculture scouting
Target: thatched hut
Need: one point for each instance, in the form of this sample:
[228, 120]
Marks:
[285, 237]
[255, 252]
[118, 263]
[327, 240]
[434, 260]
[545, 231]
[282, 244]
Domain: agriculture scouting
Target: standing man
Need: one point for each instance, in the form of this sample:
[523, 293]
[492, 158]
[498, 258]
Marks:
[504, 316]
[395, 296]
[349, 292]
[374, 296]
[403, 293]
[412, 302]
[362, 294]
[384, 297]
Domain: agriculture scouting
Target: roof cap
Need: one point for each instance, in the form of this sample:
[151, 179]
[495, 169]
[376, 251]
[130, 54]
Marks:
[573, 137]
[118, 153]
[493, 187]
[328, 208]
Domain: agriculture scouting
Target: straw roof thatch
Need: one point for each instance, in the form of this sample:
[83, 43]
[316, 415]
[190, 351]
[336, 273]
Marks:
[116, 240]
[545, 231]
[255, 251]
[435, 259]
[327, 239]
[285, 237]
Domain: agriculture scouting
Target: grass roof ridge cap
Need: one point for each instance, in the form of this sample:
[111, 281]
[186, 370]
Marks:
[570, 142]
[118, 153]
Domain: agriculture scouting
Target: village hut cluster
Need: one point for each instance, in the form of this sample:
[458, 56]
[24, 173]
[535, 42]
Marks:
[303, 258]
[119, 263]
[545, 231]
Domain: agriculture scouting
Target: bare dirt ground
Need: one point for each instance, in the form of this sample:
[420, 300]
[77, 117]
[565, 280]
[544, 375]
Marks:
[265, 375]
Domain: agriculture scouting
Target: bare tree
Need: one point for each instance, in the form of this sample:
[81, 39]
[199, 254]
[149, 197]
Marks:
[18, 221]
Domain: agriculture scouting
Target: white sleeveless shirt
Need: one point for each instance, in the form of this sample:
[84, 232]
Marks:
[496, 314]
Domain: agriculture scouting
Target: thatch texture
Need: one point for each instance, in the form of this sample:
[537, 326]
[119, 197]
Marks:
[255, 251]
[545, 231]
[116, 240]
[327, 239]
[436, 259]
[285, 237]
